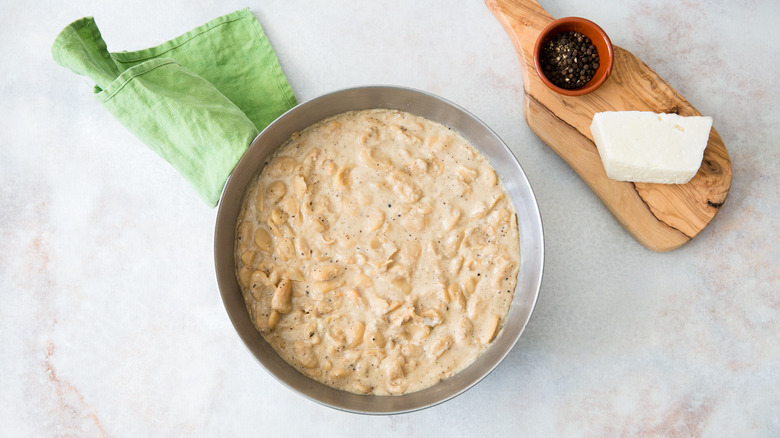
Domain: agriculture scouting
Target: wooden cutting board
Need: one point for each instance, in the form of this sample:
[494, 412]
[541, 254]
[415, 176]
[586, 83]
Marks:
[661, 217]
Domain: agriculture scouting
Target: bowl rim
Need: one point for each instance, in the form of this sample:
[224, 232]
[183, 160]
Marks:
[556, 27]
[415, 102]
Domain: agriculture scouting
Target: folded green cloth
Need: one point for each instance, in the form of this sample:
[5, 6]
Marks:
[198, 100]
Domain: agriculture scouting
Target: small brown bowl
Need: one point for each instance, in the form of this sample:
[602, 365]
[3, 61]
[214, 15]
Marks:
[598, 38]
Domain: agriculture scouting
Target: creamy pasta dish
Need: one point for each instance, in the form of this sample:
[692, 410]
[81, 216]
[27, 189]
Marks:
[377, 252]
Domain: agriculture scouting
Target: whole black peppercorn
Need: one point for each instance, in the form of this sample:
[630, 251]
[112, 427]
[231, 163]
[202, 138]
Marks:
[569, 60]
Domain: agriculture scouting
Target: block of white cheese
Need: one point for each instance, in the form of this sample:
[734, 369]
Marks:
[642, 146]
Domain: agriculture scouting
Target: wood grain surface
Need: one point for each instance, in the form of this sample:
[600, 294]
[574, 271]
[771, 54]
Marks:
[661, 217]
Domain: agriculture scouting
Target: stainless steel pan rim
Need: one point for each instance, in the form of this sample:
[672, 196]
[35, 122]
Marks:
[425, 105]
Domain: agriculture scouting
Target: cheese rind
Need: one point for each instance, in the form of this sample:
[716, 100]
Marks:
[643, 146]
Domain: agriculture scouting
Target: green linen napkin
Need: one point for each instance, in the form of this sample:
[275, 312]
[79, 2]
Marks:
[197, 100]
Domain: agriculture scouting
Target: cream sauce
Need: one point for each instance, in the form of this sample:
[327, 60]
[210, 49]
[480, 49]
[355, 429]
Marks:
[378, 252]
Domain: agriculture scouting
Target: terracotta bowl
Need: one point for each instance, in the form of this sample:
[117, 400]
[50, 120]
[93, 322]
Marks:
[598, 38]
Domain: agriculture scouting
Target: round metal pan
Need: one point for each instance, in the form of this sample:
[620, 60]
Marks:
[425, 105]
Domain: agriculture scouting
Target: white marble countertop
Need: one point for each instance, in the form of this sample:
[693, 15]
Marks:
[111, 320]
